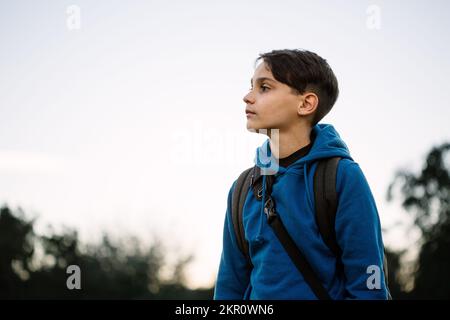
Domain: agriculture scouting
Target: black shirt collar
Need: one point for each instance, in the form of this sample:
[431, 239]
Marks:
[286, 161]
[290, 159]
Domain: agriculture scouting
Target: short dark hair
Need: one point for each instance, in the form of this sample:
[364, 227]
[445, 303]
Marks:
[303, 71]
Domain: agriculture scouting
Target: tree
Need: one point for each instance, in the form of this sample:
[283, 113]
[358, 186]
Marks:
[426, 196]
[34, 266]
[16, 250]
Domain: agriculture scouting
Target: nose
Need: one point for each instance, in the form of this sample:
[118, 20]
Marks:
[248, 99]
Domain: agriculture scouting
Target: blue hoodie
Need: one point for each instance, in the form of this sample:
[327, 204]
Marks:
[358, 233]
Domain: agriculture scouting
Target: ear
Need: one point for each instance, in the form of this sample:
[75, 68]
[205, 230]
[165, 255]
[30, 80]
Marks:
[308, 104]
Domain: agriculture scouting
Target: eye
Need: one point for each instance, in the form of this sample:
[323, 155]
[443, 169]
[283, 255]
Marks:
[264, 88]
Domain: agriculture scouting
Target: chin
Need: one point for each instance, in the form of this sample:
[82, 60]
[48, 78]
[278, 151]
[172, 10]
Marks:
[251, 126]
[257, 126]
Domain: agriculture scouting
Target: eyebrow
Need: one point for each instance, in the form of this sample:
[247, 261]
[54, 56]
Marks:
[259, 80]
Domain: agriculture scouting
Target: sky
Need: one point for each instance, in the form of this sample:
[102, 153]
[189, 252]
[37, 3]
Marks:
[127, 116]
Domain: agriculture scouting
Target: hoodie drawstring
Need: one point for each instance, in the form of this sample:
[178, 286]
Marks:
[308, 194]
[259, 237]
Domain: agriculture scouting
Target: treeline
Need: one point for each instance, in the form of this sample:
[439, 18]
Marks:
[35, 266]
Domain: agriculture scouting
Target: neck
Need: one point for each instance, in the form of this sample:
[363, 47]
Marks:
[284, 143]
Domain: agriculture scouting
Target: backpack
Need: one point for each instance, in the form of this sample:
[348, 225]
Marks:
[326, 205]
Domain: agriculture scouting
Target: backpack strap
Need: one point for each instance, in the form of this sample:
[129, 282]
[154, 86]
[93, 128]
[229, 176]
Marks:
[326, 201]
[326, 205]
[238, 199]
[294, 252]
[244, 182]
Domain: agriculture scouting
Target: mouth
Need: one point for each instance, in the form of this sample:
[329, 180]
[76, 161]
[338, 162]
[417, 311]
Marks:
[249, 113]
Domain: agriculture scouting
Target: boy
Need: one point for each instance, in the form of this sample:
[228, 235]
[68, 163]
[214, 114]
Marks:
[291, 91]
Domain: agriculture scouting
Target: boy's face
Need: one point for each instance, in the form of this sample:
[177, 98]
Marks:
[271, 104]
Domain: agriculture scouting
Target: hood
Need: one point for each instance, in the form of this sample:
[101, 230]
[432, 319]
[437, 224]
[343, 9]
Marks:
[326, 143]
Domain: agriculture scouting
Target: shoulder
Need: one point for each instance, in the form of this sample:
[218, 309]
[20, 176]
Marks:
[350, 177]
[348, 168]
[243, 176]
[239, 181]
